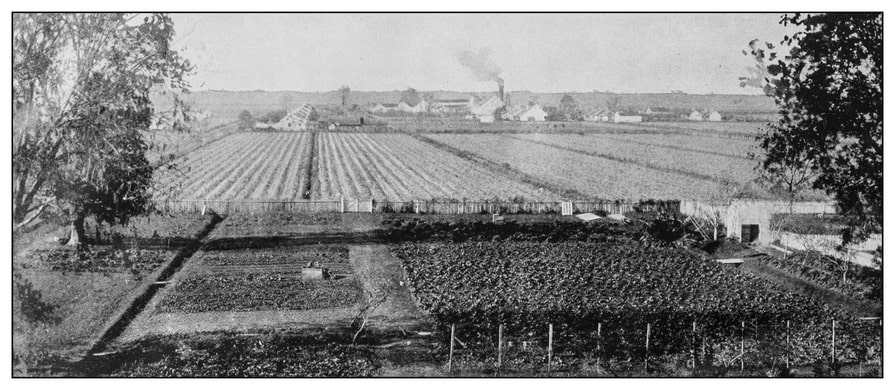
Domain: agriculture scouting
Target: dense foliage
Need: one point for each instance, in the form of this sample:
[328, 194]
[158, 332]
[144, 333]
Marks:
[575, 286]
[809, 223]
[81, 90]
[252, 291]
[828, 87]
[139, 262]
[859, 282]
[227, 355]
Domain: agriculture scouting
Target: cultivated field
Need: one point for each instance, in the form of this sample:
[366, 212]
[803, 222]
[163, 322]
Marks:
[689, 143]
[399, 167]
[593, 176]
[245, 166]
[450, 160]
[688, 163]
[722, 128]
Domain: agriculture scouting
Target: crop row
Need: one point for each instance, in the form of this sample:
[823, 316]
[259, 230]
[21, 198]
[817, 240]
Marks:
[246, 166]
[200, 292]
[399, 167]
[601, 178]
[323, 256]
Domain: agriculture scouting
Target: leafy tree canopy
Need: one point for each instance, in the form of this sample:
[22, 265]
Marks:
[828, 87]
[81, 92]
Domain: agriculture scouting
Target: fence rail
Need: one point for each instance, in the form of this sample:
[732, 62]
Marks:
[415, 206]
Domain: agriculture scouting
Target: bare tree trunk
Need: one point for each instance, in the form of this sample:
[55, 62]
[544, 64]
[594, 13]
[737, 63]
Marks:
[77, 234]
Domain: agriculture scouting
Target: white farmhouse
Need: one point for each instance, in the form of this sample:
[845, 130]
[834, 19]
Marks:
[534, 114]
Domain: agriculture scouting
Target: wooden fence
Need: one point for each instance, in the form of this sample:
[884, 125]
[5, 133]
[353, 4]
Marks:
[417, 206]
[248, 206]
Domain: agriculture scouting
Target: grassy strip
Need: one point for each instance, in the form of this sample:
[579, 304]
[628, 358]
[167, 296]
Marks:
[623, 160]
[812, 290]
[142, 296]
[504, 169]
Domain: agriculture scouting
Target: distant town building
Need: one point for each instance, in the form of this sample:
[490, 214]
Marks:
[382, 108]
[627, 117]
[533, 114]
[451, 106]
[659, 114]
[485, 112]
[597, 115]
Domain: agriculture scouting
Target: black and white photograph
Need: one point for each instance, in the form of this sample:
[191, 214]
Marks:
[446, 195]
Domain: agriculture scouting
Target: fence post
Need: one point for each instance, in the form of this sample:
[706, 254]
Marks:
[599, 342]
[451, 353]
[646, 356]
[549, 347]
[499, 347]
[833, 344]
[742, 344]
[787, 344]
[693, 345]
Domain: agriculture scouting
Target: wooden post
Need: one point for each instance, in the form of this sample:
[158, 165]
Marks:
[646, 356]
[787, 344]
[599, 342]
[742, 345]
[833, 345]
[549, 346]
[499, 347]
[693, 346]
[451, 353]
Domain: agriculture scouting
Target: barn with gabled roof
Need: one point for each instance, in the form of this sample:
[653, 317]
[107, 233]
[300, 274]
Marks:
[297, 120]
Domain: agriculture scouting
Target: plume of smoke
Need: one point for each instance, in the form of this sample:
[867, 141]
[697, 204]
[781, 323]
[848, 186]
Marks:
[481, 66]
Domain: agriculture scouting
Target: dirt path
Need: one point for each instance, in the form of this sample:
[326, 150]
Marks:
[382, 276]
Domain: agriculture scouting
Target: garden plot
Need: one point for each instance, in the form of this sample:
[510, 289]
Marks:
[243, 290]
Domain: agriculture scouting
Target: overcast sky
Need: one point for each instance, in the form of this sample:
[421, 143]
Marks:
[694, 53]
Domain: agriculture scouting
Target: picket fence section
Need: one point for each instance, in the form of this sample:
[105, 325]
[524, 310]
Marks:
[416, 206]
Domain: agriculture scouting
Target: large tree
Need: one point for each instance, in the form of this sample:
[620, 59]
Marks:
[569, 106]
[81, 88]
[828, 86]
[410, 96]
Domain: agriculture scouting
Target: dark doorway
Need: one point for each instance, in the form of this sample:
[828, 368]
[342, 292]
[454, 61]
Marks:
[749, 233]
